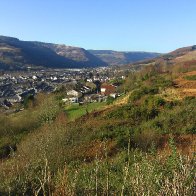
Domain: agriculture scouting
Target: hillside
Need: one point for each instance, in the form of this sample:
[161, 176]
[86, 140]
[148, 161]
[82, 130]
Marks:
[141, 143]
[76, 54]
[17, 54]
[182, 59]
[120, 58]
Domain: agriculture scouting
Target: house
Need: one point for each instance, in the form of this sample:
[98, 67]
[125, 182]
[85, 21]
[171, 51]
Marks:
[85, 89]
[107, 89]
[15, 99]
[70, 100]
[73, 93]
[73, 99]
[94, 98]
[113, 95]
[34, 77]
[91, 98]
[89, 80]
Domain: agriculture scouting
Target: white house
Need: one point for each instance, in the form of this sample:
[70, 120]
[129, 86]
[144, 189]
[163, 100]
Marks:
[89, 80]
[71, 100]
[73, 93]
[34, 77]
[15, 99]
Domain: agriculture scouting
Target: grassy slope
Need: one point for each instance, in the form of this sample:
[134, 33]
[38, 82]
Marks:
[75, 155]
[16, 126]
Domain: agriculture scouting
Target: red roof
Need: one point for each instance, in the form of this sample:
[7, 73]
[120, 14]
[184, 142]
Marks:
[109, 89]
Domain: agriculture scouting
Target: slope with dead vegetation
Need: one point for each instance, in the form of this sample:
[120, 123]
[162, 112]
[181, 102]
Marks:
[186, 86]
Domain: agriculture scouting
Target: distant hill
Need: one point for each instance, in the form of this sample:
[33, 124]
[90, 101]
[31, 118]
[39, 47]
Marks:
[120, 58]
[181, 58]
[17, 54]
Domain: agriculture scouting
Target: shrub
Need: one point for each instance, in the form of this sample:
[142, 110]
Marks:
[28, 101]
[137, 94]
[48, 110]
[154, 101]
[110, 100]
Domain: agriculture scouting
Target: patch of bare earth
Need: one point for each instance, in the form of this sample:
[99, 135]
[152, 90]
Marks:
[186, 87]
[185, 144]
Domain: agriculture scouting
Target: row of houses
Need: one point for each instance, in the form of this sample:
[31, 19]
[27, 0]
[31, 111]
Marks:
[74, 96]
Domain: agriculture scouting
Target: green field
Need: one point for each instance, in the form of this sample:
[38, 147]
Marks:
[75, 111]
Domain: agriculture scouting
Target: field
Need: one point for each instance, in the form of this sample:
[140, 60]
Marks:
[75, 111]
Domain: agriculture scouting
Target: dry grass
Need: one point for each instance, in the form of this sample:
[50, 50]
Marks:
[186, 87]
[187, 57]
[170, 94]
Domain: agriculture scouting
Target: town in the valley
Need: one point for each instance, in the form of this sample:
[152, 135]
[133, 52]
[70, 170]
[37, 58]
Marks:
[79, 85]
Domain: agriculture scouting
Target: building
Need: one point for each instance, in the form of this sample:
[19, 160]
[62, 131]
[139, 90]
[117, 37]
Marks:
[15, 99]
[107, 89]
[73, 93]
[70, 100]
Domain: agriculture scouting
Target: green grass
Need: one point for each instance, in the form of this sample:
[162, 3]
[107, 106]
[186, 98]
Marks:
[75, 111]
[193, 77]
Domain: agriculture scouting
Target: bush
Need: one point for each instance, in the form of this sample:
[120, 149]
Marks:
[137, 94]
[110, 100]
[154, 101]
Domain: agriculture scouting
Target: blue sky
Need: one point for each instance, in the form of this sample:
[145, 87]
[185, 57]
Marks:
[124, 25]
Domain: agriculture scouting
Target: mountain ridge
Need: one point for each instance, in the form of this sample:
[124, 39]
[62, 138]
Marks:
[113, 57]
[180, 58]
[15, 53]
[18, 54]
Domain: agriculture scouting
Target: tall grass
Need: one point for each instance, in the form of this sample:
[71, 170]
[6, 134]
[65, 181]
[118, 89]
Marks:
[15, 126]
[135, 173]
